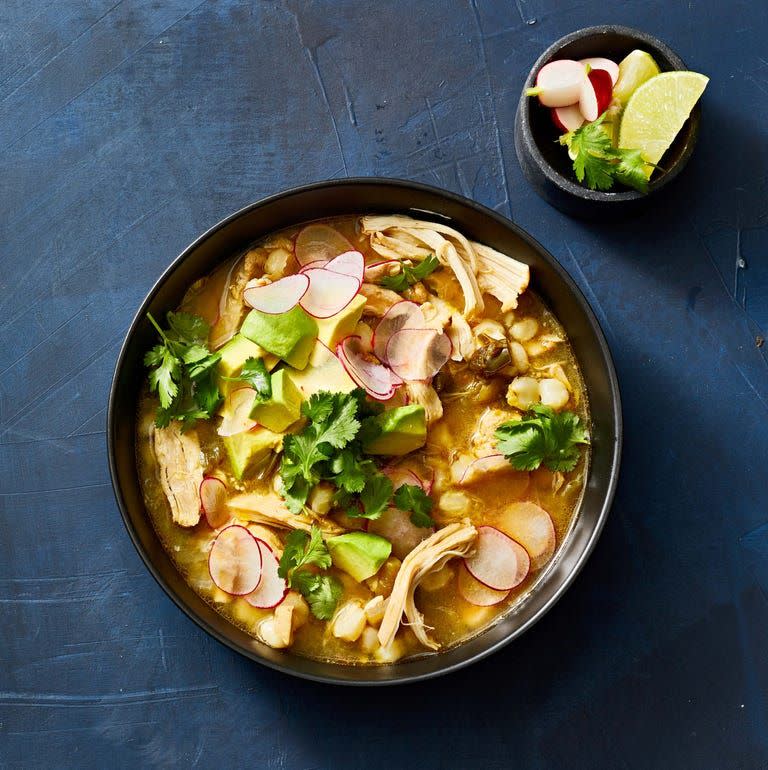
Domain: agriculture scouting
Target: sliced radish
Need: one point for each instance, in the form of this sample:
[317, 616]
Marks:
[498, 561]
[277, 297]
[316, 263]
[402, 315]
[598, 63]
[272, 589]
[559, 83]
[483, 465]
[237, 412]
[396, 526]
[329, 293]
[475, 592]
[596, 94]
[235, 561]
[213, 500]
[351, 263]
[399, 475]
[377, 381]
[532, 527]
[320, 242]
[567, 118]
[418, 354]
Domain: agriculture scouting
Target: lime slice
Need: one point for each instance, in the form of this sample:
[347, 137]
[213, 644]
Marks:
[656, 113]
[634, 69]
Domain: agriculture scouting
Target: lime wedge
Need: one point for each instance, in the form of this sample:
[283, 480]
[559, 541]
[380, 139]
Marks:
[656, 112]
[634, 69]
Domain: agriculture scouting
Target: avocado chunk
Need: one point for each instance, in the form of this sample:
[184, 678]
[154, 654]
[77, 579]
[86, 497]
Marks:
[283, 408]
[250, 447]
[332, 330]
[324, 372]
[359, 554]
[234, 354]
[396, 431]
[290, 336]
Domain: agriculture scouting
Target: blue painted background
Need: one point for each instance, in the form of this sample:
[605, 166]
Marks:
[129, 127]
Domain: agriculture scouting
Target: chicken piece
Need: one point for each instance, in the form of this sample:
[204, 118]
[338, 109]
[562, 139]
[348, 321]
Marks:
[300, 609]
[374, 610]
[432, 554]
[379, 300]
[369, 639]
[270, 509]
[348, 623]
[501, 276]
[443, 316]
[483, 439]
[376, 272]
[423, 393]
[277, 630]
[180, 468]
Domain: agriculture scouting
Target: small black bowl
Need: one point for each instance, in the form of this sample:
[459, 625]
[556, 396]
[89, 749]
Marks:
[355, 197]
[545, 162]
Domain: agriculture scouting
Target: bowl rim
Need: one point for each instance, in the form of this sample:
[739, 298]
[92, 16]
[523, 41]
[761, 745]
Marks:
[614, 450]
[563, 182]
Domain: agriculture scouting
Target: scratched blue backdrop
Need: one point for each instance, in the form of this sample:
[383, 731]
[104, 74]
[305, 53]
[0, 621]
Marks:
[129, 127]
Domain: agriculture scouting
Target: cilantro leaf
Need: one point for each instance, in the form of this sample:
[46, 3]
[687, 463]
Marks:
[375, 496]
[542, 436]
[410, 275]
[254, 372]
[631, 170]
[350, 471]
[322, 592]
[411, 497]
[303, 549]
[187, 328]
[164, 379]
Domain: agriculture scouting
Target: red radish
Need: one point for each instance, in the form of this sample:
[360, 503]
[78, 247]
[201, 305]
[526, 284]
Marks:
[277, 297]
[596, 95]
[402, 315]
[498, 561]
[316, 263]
[320, 242]
[213, 500]
[237, 412]
[350, 263]
[475, 592]
[598, 63]
[235, 561]
[377, 381]
[559, 83]
[329, 293]
[483, 465]
[532, 527]
[567, 118]
[396, 526]
[418, 354]
[399, 475]
[272, 589]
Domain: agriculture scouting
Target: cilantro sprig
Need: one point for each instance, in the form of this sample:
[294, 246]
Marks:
[600, 163]
[411, 497]
[410, 275]
[181, 370]
[304, 554]
[542, 436]
[256, 375]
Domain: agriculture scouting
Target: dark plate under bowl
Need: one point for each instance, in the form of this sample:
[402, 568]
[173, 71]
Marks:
[359, 196]
[545, 162]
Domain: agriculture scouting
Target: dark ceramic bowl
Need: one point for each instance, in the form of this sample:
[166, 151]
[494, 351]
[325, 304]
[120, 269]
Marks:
[358, 196]
[545, 162]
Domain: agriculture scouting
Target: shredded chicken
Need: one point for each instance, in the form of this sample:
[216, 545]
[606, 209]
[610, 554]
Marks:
[270, 509]
[431, 554]
[181, 471]
[423, 393]
[500, 276]
[379, 300]
[445, 317]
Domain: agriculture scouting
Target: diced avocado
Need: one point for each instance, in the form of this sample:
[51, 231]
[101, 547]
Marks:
[290, 336]
[324, 372]
[251, 446]
[283, 408]
[359, 554]
[332, 330]
[399, 430]
[234, 354]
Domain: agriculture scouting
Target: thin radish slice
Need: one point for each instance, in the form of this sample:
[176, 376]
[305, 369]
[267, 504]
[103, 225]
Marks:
[559, 83]
[567, 118]
[598, 63]
[595, 95]
[272, 589]
[320, 242]
[237, 412]
[475, 592]
[329, 293]
[351, 263]
[418, 354]
[532, 527]
[235, 561]
[396, 526]
[498, 561]
[277, 297]
[213, 500]
[377, 381]
[484, 465]
[402, 315]
[399, 475]
[315, 264]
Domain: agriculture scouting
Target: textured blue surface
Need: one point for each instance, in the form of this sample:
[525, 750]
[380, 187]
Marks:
[129, 127]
